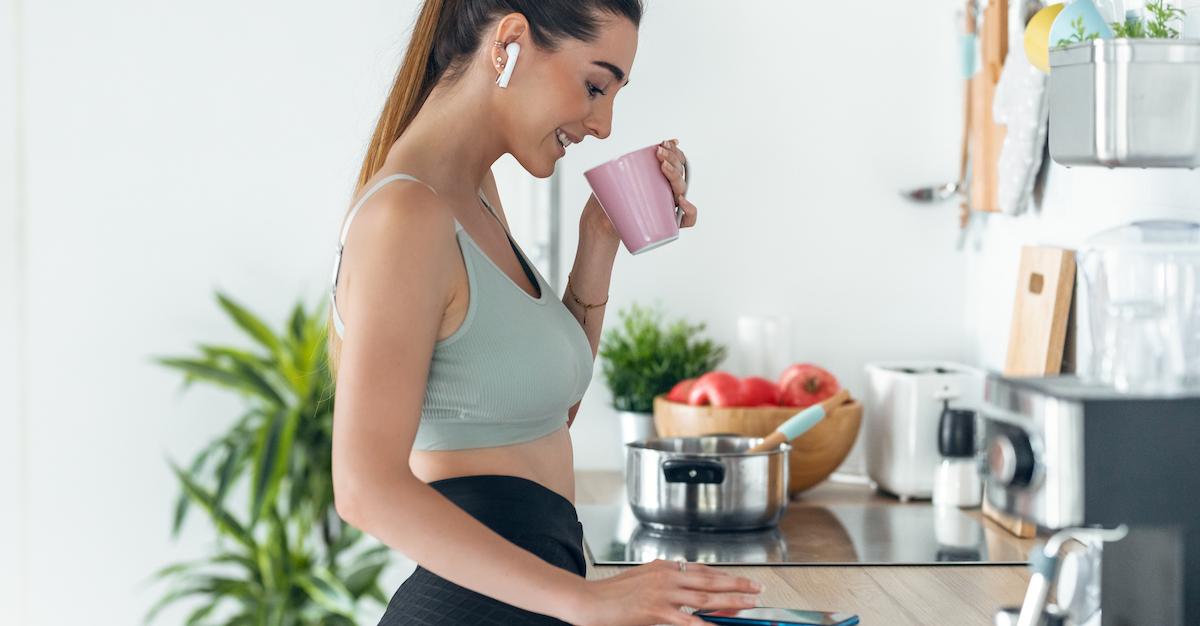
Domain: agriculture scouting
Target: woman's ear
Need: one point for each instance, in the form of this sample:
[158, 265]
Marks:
[510, 35]
[510, 28]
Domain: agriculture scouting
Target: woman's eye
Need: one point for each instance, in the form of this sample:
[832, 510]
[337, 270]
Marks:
[593, 91]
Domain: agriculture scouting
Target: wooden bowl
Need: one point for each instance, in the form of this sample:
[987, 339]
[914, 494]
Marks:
[815, 454]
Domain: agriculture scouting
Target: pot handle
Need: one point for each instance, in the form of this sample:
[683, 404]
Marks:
[693, 471]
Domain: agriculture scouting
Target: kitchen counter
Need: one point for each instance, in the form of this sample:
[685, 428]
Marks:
[895, 595]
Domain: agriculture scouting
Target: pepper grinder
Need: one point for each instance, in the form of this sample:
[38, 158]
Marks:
[957, 481]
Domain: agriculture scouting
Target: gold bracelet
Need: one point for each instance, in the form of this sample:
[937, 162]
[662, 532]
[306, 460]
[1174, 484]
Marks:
[586, 307]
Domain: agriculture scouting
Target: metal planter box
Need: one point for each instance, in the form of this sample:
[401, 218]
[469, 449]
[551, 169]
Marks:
[1126, 103]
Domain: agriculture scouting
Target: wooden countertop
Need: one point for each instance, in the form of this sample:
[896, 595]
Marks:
[891, 595]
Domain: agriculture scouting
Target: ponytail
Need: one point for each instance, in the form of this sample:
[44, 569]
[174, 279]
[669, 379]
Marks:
[414, 81]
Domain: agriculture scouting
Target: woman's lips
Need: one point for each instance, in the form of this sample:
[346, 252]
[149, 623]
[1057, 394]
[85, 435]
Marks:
[564, 138]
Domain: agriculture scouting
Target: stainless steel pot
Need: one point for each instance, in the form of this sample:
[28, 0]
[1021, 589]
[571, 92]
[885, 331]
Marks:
[706, 483]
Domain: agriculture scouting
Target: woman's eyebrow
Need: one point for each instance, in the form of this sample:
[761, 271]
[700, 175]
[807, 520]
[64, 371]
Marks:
[617, 72]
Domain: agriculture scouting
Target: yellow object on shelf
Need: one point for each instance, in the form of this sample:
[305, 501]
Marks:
[1037, 36]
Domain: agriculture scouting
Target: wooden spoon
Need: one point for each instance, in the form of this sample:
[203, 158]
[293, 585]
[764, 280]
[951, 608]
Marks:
[801, 422]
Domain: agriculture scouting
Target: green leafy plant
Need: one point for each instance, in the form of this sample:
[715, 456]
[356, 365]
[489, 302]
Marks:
[1131, 29]
[285, 558]
[1079, 36]
[644, 357]
[1158, 27]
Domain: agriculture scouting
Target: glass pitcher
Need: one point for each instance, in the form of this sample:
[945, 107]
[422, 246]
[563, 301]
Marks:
[1143, 306]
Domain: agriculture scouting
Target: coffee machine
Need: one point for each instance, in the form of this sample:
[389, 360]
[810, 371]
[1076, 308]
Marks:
[1067, 453]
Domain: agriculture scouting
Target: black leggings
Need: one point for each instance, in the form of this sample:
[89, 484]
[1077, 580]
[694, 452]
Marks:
[520, 510]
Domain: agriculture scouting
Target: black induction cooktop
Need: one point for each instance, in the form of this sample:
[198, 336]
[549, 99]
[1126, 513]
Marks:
[841, 534]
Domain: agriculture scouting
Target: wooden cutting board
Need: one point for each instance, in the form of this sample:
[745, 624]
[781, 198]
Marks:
[1039, 337]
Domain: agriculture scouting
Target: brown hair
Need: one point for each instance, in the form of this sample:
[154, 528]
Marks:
[446, 33]
[414, 81]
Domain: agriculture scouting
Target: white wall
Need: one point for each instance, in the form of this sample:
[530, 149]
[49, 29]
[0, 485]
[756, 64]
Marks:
[12, 416]
[174, 149]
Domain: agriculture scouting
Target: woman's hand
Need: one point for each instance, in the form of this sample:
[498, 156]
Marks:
[595, 223]
[672, 160]
[654, 594]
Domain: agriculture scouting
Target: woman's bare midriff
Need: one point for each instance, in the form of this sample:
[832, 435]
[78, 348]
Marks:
[548, 461]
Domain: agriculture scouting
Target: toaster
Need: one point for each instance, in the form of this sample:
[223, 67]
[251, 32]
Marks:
[903, 405]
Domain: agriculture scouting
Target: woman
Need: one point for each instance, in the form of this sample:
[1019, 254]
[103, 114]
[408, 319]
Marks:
[458, 371]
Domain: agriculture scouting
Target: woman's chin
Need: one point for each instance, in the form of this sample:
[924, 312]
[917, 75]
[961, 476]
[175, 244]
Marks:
[541, 167]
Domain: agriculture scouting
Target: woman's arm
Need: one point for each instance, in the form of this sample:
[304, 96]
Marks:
[598, 241]
[398, 270]
[591, 276]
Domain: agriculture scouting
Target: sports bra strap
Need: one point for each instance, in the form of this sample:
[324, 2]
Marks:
[376, 187]
[337, 263]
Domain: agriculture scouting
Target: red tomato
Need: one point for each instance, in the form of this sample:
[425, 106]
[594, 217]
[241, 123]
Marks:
[805, 384]
[679, 393]
[716, 388]
[758, 391]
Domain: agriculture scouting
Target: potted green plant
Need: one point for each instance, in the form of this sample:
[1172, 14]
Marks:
[1128, 91]
[284, 556]
[644, 356]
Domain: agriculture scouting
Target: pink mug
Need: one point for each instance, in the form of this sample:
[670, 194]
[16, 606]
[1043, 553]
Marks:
[637, 199]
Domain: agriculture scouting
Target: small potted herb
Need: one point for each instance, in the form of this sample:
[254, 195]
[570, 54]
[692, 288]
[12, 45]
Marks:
[644, 356]
[1128, 94]
[1159, 25]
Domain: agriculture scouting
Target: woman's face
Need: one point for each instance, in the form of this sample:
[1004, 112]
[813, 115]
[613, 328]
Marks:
[558, 98]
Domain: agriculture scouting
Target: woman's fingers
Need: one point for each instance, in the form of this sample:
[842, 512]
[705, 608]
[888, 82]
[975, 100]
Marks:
[717, 582]
[706, 600]
[690, 214]
[698, 586]
[678, 158]
[668, 153]
[674, 174]
[671, 163]
[680, 618]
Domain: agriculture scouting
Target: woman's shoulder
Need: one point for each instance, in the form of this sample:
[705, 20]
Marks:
[402, 208]
[403, 225]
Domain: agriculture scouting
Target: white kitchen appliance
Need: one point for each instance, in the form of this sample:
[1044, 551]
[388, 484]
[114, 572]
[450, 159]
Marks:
[903, 405]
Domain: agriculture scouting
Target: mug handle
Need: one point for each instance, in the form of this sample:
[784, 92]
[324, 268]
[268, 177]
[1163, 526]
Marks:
[679, 211]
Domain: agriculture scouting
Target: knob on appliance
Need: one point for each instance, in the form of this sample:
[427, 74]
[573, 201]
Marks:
[1010, 459]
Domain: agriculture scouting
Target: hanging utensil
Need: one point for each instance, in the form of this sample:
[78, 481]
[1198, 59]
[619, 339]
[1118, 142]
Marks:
[932, 195]
[969, 51]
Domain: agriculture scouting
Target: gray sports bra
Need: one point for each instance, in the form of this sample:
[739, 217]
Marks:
[511, 371]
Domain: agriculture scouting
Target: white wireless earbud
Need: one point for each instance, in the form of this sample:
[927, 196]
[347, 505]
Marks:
[514, 50]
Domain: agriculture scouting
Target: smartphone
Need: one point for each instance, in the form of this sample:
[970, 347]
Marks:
[768, 616]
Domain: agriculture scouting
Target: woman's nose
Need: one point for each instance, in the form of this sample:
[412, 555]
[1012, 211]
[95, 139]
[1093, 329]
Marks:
[600, 122]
